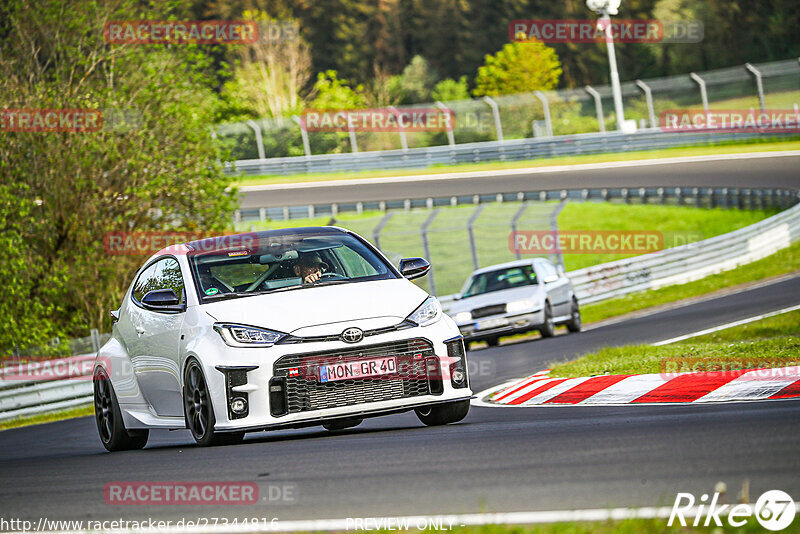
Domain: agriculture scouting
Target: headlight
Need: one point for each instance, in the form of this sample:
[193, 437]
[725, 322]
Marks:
[428, 313]
[519, 306]
[463, 317]
[237, 335]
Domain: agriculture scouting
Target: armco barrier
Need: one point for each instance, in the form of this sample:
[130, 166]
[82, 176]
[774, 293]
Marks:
[508, 150]
[592, 284]
[21, 395]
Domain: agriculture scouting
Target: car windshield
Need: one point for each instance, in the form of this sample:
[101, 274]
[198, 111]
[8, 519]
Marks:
[500, 279]
[245, 267]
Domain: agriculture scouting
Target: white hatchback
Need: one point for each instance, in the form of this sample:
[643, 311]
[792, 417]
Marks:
[277, 329]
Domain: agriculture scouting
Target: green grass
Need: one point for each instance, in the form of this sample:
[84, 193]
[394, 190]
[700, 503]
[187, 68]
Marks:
[770, 342]
[677, 224]
[782, 262]
[449, 244]
[757, 145]
[47, 418]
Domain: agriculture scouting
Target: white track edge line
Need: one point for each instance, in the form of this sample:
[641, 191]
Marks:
[727, 325]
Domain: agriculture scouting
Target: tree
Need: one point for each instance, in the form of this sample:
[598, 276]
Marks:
[450, 89]
[156, 170]
[417, 81]
[271, 73]
[520, 67]
[334, 93]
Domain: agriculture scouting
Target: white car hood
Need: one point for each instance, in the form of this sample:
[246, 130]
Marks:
[364, 304]
[497, 297]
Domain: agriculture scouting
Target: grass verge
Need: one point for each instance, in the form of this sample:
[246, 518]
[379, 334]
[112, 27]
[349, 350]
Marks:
[768, 343]
[756, 145]
[48, 417]
[782, 262]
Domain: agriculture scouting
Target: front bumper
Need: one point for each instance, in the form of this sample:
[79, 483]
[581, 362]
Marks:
[259, 367]
[475, 330]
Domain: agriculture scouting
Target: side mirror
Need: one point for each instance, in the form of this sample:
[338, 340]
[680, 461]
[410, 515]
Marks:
[412, 268]
[550, 279]
[114, 315]
[163, 300]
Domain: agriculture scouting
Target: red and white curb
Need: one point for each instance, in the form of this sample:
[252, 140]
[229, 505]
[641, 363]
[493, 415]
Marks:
[722, 386]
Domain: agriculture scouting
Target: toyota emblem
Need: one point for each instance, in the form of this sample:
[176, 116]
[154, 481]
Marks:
[352, 335]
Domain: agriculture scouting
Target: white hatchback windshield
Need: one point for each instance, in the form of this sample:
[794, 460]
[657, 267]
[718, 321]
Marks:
[266, 263]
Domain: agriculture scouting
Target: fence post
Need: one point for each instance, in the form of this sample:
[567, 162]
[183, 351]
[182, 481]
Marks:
[451, 140]
[304, 134]
[648, 95]
[546, 107]
[759, 85]
[403, 140]
[514, 221]
[352, 133]
[496, 113]
[703, 94]
[259, 141]
[95, 335]
[470, 231]
[559, 258]
[426, 247]
[376, 233]
[598, 105]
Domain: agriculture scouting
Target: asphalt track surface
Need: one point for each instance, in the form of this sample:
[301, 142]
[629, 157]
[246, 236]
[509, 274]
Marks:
[756, 172]
[497, 459]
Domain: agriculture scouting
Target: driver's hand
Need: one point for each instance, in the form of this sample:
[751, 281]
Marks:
[313, 277]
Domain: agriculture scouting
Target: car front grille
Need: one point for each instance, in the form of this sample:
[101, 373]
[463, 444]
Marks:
[304, 391]
[486, 311]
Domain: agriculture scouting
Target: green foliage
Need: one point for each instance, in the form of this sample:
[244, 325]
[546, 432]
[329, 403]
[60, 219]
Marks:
[450, 89]
[520, 67]
[153, 168]
[417, 81]
[334, 93]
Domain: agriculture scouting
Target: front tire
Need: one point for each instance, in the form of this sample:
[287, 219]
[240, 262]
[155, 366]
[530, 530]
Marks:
[574, 323]
[443, 414]
[108, 416]
[199, 411]
[548, 329]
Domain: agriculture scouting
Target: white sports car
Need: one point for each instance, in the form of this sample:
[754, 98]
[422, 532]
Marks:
[277, 329]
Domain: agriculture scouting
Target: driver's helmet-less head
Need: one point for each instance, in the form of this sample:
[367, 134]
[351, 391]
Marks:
[312, 259]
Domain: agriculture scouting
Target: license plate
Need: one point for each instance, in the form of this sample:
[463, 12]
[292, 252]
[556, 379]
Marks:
[491, 323]
[357, 369]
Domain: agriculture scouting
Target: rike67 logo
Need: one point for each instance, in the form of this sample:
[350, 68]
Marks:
[774, 510]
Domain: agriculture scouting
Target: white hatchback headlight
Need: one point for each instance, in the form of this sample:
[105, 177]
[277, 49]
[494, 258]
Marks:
[428, 313]
[463, 317]
[237, 335]
[520, 306]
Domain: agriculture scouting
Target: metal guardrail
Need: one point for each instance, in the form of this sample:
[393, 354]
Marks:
[24, 391]
[33, 388]
[508, 150]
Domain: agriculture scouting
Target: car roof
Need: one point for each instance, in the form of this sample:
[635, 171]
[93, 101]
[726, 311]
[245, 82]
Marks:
[204, 244]
[507, 265]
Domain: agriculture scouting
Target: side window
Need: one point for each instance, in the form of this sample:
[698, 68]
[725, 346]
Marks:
[163, 274]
